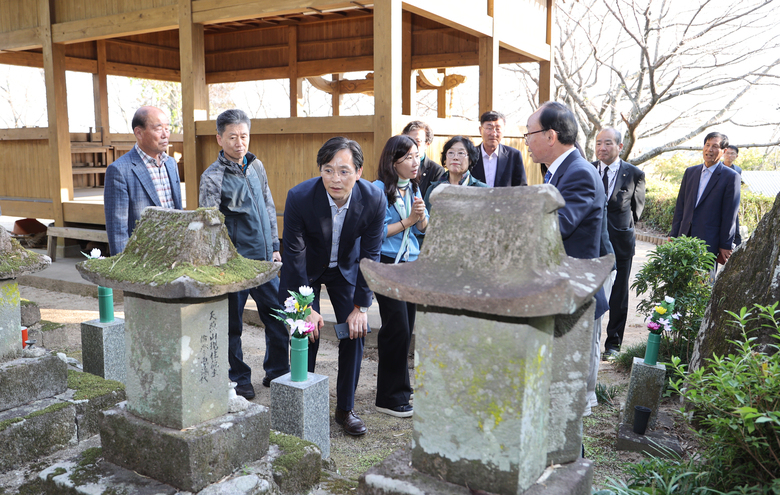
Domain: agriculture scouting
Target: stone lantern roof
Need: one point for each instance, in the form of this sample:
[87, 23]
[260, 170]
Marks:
[176, 254]
[16, 261]
[496, 251]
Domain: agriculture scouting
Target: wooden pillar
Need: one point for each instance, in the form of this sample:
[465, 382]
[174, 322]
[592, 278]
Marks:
[408, 79]
[336, 96]
[194, 98]
[546, 69]
[488, 65]
[442, 110]
[296, 83]
[100, 91]
[387, 73]
[60, 164]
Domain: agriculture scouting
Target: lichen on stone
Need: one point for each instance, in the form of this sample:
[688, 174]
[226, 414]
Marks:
[15, 260]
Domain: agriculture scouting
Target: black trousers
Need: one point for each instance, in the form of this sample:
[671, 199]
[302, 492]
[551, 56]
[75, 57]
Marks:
[618, 305]
[392, 378]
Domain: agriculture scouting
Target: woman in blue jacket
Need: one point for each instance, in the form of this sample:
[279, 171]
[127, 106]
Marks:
[406, 216]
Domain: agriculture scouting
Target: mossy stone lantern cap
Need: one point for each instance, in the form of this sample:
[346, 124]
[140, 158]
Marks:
[496, 251]
[175, 254]
[16, 261]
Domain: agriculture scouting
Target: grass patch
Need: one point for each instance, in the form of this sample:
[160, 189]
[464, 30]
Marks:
[48, 326]
[368, 461]
[606, 393]
[338, 485]
[625, 360]
[89, 386]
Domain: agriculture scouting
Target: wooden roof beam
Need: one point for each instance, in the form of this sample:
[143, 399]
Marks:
[117, 25]
[458, 14]
[21, 39]
[218, 11]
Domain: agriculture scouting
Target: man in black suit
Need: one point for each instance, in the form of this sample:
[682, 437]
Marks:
[708, 201]
[330, 223]
[729, 157]
[498, 165]
[430, 171]
[625, 189]
[551, 137]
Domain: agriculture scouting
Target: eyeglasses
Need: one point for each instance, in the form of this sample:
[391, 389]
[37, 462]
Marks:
[525, 136]
[329, 172]
[453, 154]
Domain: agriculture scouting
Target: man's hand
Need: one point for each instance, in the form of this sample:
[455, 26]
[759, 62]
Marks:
[723, 255]
[358, 324]
[315, 318]
[277, 256]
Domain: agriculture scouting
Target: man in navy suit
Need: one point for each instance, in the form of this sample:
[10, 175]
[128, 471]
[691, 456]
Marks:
[144, 176]
[330, 223]
[551, 137]
[708, 201]
[625, 189]
[498, 165]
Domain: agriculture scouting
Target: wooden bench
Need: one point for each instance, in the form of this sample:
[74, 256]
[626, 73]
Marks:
[72, 233]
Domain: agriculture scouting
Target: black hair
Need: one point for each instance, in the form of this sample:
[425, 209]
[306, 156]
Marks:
[732, 147]
[139, 118]
[230, 117]
[471, 150]
[491, 116]
[559, 118]
[724, 140]
[336, 144]
[395, 149]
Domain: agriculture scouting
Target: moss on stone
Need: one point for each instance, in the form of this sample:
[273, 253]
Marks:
[293, 450]
[15, 259]
[89, 386]
[8, 422]
[48, 326]
[57, 472]
[27, 302]
[85, 471]
[51, 409]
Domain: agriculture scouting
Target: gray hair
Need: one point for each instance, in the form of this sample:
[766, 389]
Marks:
[230, 117]
[616, 134]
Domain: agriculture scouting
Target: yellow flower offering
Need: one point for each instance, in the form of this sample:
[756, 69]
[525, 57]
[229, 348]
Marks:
[660, 310]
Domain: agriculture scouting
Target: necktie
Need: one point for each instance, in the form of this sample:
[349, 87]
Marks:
[605, 180]
[547, 177]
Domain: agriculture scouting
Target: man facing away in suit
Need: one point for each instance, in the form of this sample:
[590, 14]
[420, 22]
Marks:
[144, 176]
[708, 201]
[552, 132]
[624, 185]
[498, 165]
[331, 223]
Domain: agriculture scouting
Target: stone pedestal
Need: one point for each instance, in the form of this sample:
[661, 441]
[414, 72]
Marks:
[480, 398]
[302, 409]
[10, 320]
[187, 459]
[571, 358]
[645, 388]
[24, 380]
[103, 349]
[177, 365]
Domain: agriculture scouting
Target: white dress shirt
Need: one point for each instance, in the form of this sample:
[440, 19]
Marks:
[611, 174]
[490, 163]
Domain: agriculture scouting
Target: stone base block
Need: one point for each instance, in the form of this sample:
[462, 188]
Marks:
[396, 476]
[571, 355]
[10, 320]
[187, 459]
[302, 409]
[645, 388]
[656, 443]
[24, 380]
[35, 430]
[30, 313]
[103, 349]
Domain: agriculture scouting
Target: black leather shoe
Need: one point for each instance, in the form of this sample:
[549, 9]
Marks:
[267, 381]
[352, 424]
[246, 391]
[402, 411]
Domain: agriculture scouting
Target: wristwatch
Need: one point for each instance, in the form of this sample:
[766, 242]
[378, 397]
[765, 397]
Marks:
[363, 309]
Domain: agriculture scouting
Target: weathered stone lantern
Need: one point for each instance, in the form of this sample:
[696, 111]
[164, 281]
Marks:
[176, 272]
[502, 341]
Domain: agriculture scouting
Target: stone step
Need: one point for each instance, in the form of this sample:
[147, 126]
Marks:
[28, 379]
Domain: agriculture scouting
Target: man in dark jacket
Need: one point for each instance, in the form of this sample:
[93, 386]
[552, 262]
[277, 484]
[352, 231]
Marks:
[237, 184]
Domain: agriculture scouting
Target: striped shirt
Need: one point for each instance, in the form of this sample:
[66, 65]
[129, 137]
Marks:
[162, 183]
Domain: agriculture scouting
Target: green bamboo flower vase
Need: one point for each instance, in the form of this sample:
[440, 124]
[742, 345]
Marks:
[651, 354]
[299, 359]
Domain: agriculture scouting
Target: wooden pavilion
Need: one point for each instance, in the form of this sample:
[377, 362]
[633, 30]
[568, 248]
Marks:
[408, 45]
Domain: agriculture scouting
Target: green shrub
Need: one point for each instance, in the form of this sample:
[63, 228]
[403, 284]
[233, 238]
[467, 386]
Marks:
[736, 404]
[660, 198]
[752, 208]
[678, 269]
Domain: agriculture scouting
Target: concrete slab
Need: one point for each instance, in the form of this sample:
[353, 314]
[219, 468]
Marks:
[657, 443]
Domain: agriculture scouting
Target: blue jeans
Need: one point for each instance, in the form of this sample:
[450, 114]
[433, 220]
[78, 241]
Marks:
[277, 339]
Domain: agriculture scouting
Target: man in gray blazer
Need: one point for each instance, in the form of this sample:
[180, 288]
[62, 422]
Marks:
[144, 176]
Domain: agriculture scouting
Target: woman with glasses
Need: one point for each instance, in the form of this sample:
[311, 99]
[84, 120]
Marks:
[458, 156]
[406, 217]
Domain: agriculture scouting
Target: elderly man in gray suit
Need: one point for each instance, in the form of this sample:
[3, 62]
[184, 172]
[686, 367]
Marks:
[144, 176]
